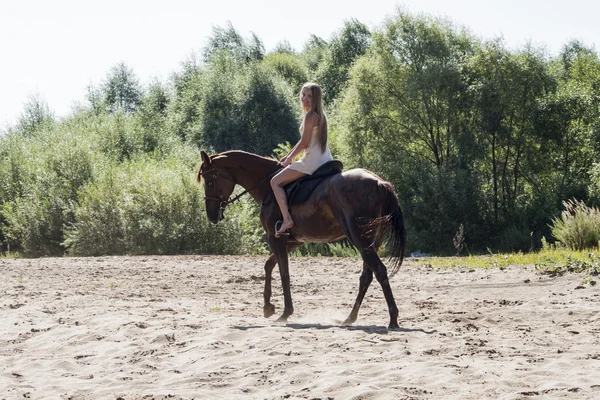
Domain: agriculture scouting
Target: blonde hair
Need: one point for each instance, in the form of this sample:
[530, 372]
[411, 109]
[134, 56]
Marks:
[316, 107]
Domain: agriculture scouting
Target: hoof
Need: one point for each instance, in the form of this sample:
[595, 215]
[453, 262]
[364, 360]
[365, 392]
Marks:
[394, 327]
[269, 309]
[348, 321]
[283, 318]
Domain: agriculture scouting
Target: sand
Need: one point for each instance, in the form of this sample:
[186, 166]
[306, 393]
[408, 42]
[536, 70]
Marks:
[193, 327]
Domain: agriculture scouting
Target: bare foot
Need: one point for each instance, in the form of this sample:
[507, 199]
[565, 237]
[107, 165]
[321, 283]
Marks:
[283, 229]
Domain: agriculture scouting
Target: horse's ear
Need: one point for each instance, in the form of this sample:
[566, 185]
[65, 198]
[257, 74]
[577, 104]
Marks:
[205, 160]
[205, 157]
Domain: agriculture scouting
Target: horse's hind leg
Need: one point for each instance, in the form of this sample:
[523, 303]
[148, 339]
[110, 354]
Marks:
[367, 245]
[370, 257]
[365, 280]
[268, 308]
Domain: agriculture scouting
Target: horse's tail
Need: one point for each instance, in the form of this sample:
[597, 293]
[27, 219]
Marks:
[397, 234]
[392, 222]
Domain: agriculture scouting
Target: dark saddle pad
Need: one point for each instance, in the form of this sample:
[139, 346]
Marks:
[299, 191]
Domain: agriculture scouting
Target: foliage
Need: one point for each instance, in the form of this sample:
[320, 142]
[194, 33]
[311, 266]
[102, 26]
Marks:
[339, 249]
[36, 116]
[151, 118]
[470, 133]
[245, 108]
[549, 255]
[228, 40]
[578, 227]
[351, 42]
[289, 67]
[147, 207]
[314, 52]
[552, 260]
[47, 174]
[120, 92]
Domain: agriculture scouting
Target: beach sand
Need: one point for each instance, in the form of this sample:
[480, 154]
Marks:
[188, 327]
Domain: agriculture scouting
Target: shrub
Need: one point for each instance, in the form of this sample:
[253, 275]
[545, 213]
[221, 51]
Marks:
[41, 178]
[33, 224]
[578, 226]
[154, 207]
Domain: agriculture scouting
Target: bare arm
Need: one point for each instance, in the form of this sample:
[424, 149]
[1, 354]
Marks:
[310, 121]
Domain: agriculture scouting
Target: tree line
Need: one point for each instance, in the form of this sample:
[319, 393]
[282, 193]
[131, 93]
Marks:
[482, 143]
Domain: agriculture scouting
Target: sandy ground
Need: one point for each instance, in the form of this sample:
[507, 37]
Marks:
[193, 327]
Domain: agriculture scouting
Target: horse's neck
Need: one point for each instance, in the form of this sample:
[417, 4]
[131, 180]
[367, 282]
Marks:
[253, 173]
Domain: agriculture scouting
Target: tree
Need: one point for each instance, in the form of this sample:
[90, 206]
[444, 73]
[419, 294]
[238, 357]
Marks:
[228, 40]
[151, 117]
[313, 53]
[122, 90]
[183, 112]
[347, 45]
[405, 114]
[289, 67]
[119, 92]
[36, 115]
[245, 108]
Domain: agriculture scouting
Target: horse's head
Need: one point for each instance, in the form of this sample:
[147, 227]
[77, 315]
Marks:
[218, 186]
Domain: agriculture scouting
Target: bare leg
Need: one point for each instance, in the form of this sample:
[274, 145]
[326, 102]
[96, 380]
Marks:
[286, 176]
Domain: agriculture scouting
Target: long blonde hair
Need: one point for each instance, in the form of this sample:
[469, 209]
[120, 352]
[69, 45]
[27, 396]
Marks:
[316, 106]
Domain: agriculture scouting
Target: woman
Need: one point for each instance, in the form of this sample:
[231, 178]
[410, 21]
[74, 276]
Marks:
[313, 142]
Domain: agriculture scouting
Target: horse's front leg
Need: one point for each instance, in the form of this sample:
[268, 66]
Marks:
[279, 248]
[268, 308]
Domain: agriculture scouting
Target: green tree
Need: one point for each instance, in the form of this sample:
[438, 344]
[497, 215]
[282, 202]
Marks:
[228, 40]
[313, 53]
[508, 88]
[183, 111]
[289, 67]
[245, 108]
[151, 117]
[120, 92]
[405, 114]
[36, 115]
[350, 43]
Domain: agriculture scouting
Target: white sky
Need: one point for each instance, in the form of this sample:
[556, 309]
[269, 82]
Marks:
[57, 48]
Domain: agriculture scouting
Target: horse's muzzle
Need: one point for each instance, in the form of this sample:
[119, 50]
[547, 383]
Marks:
[216, 218]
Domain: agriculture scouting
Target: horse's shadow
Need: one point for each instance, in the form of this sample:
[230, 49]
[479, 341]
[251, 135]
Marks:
[371, 329]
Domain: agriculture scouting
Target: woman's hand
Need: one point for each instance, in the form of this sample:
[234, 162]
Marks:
[286, 161]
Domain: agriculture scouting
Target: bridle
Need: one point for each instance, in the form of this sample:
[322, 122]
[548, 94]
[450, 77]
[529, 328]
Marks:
[223, 203]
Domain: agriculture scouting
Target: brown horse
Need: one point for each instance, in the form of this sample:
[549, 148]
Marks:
[356, 204]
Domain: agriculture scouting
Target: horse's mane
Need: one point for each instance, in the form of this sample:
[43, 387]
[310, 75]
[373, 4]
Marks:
[242, 154]
[241, 157]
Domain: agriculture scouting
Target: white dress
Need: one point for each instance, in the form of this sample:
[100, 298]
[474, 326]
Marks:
[313, 156]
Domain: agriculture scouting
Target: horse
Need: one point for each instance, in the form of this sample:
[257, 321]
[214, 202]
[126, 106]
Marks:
[356, 205]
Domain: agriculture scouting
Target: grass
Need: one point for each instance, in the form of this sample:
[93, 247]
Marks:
[10, 255]
[501, 260]
[551, 261]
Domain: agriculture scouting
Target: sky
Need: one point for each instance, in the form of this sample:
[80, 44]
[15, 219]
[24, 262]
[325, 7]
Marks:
[56, 49]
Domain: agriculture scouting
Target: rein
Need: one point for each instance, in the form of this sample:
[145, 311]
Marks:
[224, 203]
